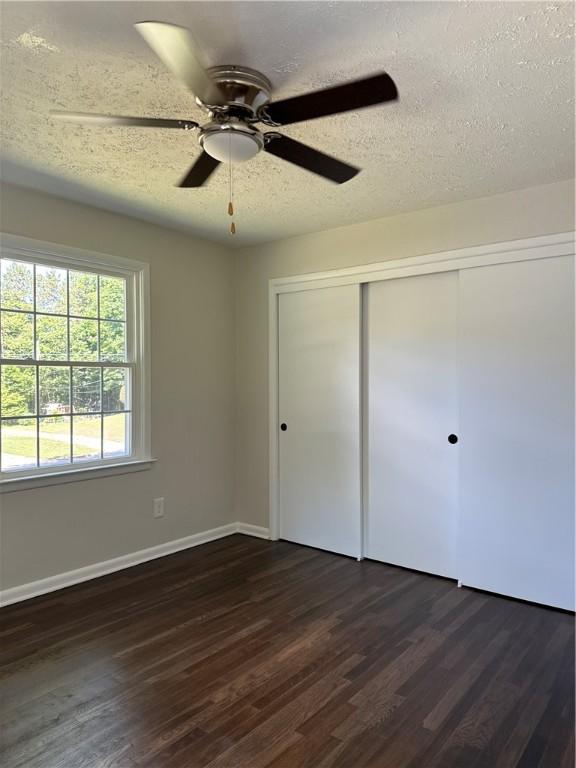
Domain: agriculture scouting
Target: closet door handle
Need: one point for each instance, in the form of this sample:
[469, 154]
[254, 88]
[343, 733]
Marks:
[283, 426]
[452, 439]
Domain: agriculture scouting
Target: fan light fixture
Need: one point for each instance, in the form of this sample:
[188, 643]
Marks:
[231, 146]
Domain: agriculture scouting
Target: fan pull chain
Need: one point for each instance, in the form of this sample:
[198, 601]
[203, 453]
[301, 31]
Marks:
[231, 194]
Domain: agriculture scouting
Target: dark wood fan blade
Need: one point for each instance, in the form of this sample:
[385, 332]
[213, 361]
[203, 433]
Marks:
[377, 89]
[90, 118]
[310, 159]
[177, 49]
[200, 172]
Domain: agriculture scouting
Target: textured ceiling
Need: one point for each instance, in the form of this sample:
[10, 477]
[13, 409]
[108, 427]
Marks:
[486, 106]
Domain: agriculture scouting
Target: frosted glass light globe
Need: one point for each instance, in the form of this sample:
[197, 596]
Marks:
[229, 146]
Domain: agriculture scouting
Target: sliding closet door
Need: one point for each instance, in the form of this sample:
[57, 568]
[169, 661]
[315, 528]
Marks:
[517, 415]
[319, 413]
[412, 411]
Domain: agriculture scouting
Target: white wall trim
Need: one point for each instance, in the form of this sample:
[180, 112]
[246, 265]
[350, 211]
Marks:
[44, 250]
[542, 247]
[253, 530]
[477, 256]
[93, 571]
[74, 475]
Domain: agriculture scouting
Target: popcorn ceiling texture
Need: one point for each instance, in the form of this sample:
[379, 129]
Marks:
[487, 106]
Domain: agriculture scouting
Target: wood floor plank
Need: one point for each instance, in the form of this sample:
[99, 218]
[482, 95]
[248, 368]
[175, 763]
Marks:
[244, 653]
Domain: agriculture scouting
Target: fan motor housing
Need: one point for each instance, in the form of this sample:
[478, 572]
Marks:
[245, 89]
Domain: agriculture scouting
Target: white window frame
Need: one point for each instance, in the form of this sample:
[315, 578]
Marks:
[136, 274]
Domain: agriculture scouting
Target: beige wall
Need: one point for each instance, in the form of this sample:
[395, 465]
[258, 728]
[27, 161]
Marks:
[54, 529]
[525, 213]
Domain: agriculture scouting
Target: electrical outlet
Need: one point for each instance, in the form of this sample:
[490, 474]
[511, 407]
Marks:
[158, 510]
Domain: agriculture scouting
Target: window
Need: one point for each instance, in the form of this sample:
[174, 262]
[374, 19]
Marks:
[72, 363]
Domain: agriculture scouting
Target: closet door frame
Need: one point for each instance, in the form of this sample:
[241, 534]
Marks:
[547, 246]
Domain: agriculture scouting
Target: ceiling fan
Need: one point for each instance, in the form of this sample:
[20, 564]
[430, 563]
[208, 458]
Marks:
[236, 98]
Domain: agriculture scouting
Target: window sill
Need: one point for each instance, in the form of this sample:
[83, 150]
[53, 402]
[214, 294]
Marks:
[27, 482]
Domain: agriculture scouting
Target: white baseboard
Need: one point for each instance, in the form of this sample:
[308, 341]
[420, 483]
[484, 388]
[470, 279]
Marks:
[253, 530]
[68, 578]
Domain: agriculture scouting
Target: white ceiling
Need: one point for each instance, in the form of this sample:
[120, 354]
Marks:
[486, 106]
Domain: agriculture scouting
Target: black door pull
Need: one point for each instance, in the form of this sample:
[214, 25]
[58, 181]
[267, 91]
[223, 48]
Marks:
[452, 439]
[283, 427]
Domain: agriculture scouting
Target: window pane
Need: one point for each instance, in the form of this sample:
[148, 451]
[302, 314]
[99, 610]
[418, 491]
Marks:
[51, 290]
[17, 335]
[112, 341]
[86, 433]
[86, 389]
[54, 440]
[16, 285]
[54, 390]
[116, 431]
[18, 444]
[51, 338]
[112, 297]
[83, 294]
[114, 389]
[84, 340]
[18, 390]
[58, 405]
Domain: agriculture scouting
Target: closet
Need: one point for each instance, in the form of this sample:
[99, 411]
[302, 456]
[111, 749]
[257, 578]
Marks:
[428, 422]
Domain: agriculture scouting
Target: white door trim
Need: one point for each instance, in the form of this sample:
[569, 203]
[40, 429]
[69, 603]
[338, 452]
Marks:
[546, 246]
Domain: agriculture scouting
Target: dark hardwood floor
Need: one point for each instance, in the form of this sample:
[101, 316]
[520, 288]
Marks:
[244, 653]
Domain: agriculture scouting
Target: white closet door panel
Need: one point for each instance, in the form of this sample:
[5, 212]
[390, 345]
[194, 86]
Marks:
[517, 422]
[412, 384]
[319, 401]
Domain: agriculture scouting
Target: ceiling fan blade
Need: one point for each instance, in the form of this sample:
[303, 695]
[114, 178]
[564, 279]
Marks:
[308, 158]
[200, 172]
[177, 49]
[342, 98]
[144, 122]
